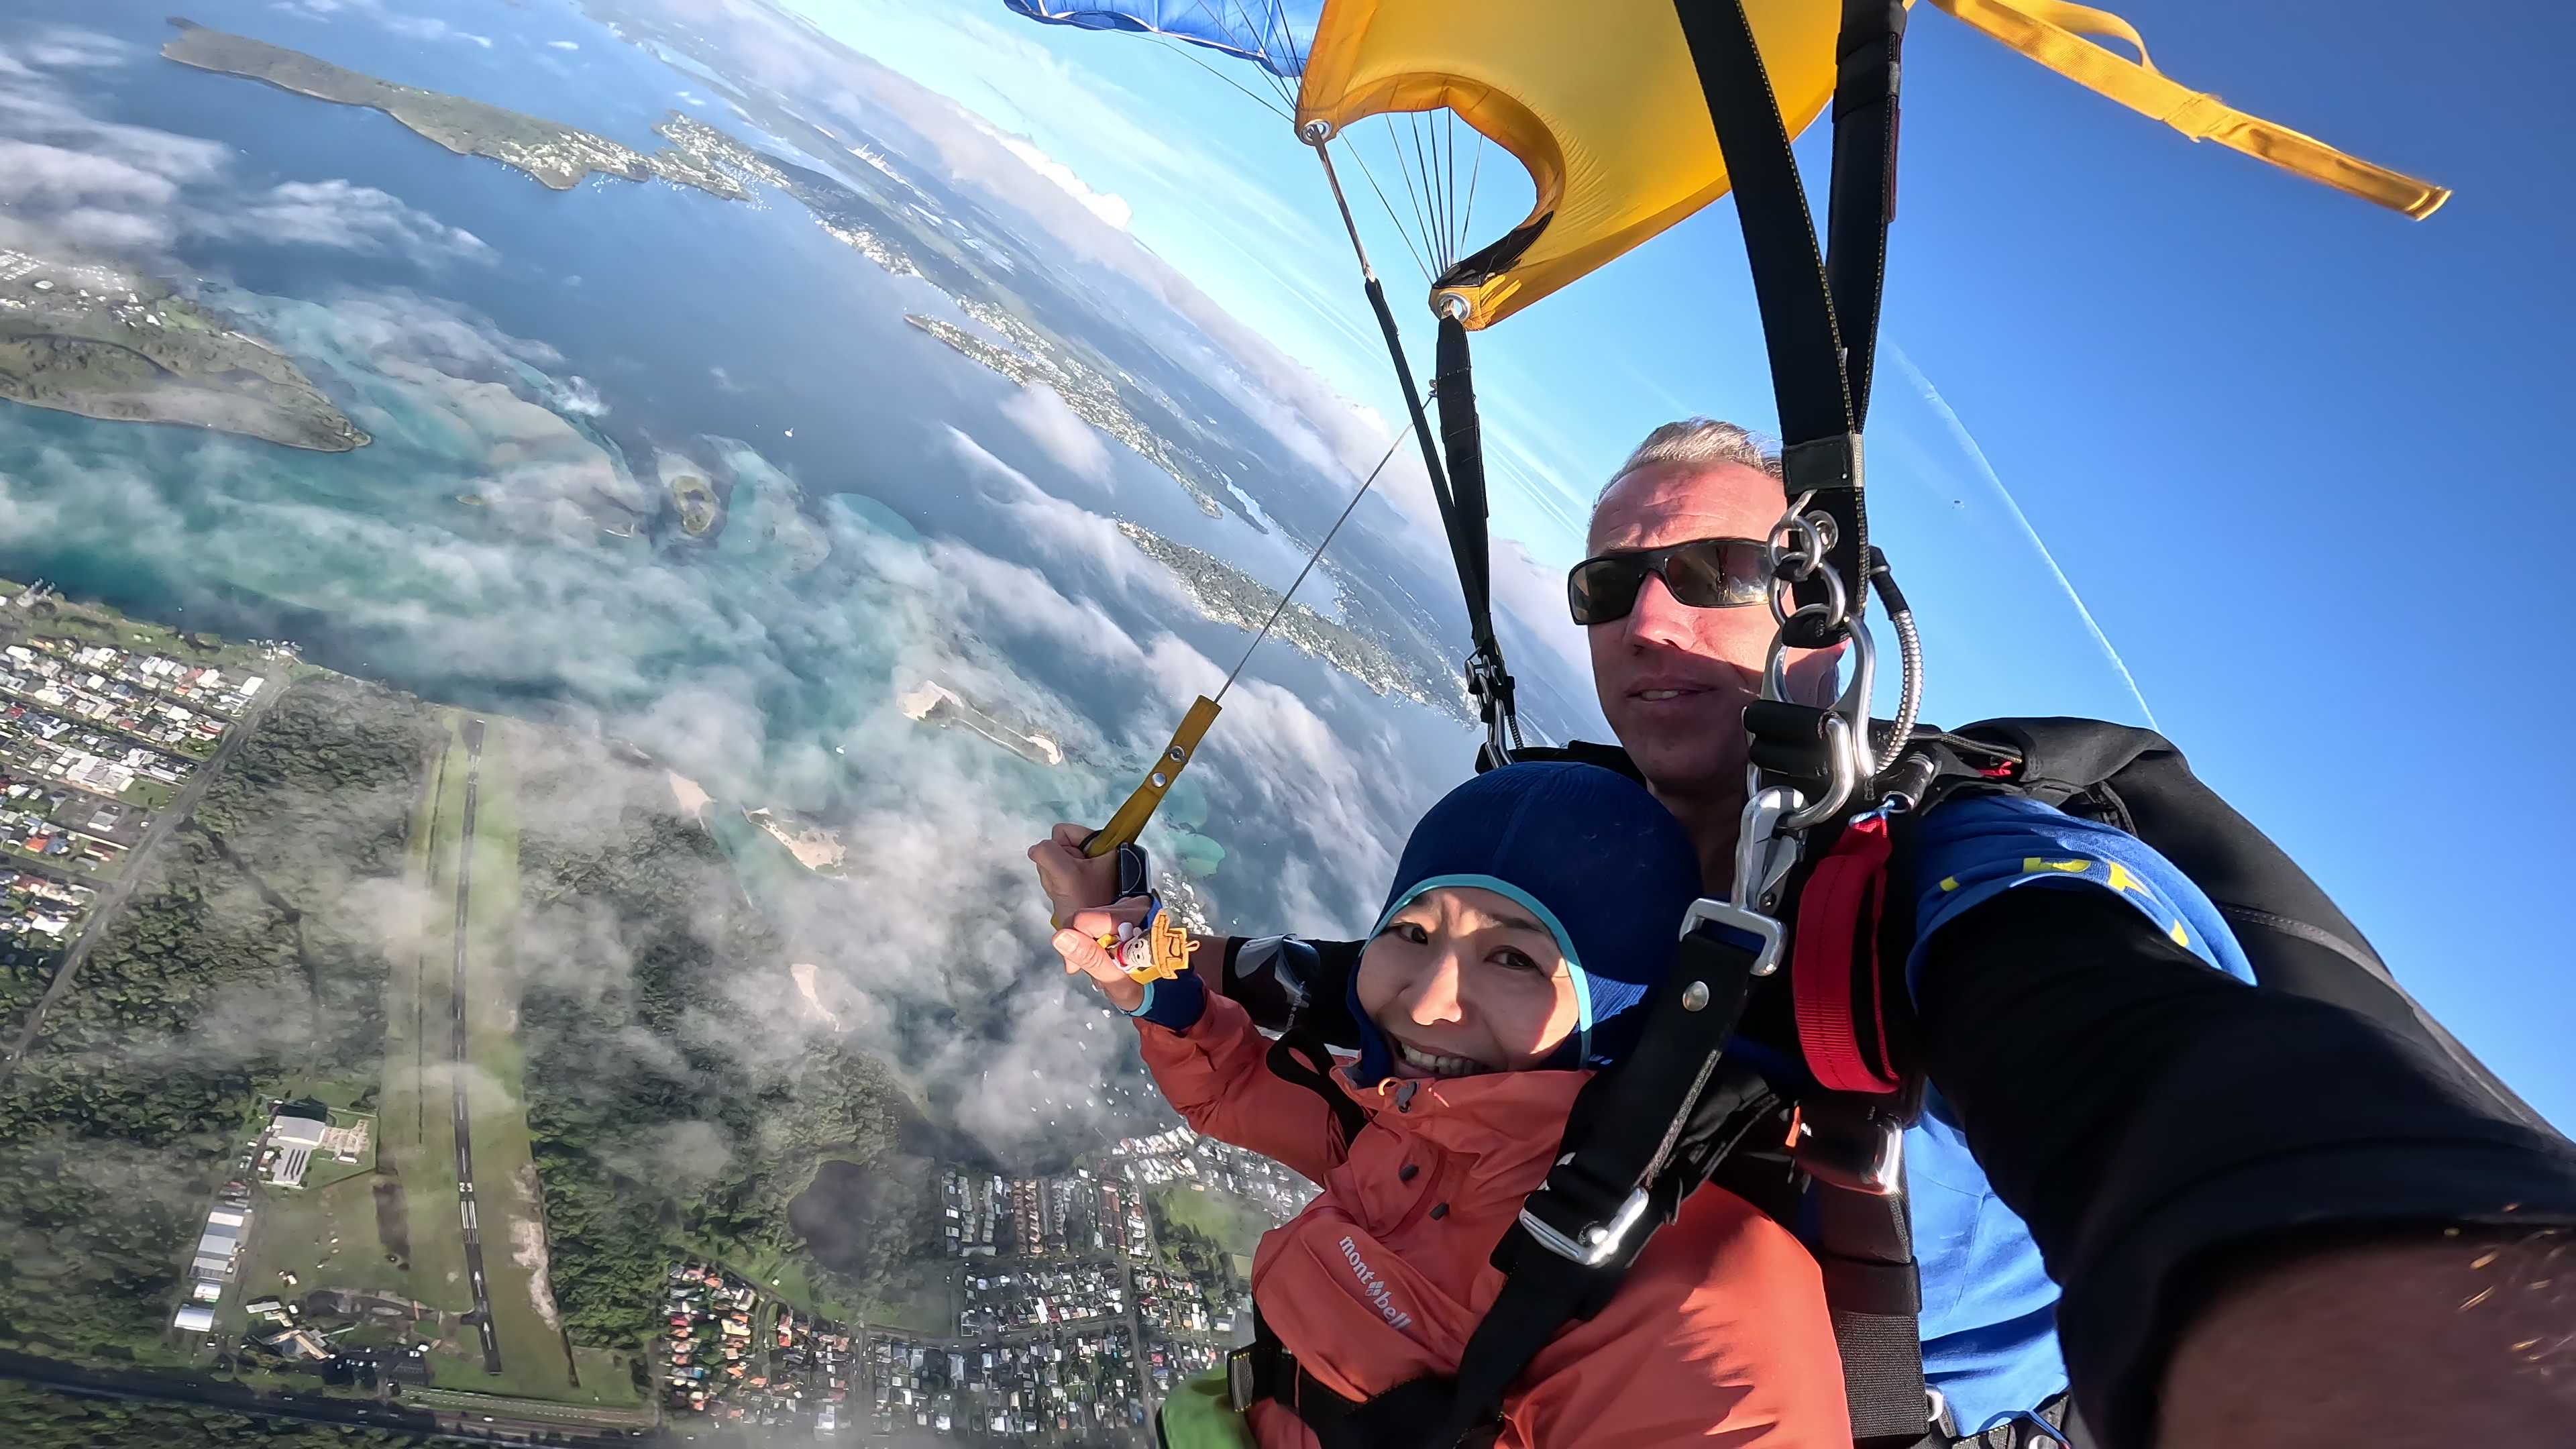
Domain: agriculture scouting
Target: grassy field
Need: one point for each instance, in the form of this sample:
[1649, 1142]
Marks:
[505, 1177]
[417, 1128]
[1232, 1222]
[150, 794]
[325, 1236]
[415, 1142]
[923, 1298]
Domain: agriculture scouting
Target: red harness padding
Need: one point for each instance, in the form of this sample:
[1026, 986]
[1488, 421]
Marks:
[1834, 979]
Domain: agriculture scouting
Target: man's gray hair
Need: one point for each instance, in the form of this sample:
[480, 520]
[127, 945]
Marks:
[1698, 441]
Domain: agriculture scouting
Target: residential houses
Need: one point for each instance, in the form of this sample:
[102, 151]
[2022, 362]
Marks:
[738, 1357]
[92, 739]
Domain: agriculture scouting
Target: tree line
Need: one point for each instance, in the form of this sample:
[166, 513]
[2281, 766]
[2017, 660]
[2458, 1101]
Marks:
[666, 1113]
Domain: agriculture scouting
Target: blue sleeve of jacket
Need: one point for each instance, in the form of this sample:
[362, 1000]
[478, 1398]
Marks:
[1975, 849]
[1989, 1308]
[1174, 1005]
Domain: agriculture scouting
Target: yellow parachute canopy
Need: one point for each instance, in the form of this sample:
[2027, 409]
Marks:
[1600, 102]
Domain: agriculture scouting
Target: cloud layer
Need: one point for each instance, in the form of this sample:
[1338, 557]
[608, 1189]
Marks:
[68, 177]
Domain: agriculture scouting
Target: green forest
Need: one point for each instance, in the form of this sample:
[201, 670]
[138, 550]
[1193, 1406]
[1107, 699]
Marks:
[38, 1419]
[668, 1112]
[246, 963]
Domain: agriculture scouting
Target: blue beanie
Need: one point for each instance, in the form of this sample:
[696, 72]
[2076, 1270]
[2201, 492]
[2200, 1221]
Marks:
[1598, 860]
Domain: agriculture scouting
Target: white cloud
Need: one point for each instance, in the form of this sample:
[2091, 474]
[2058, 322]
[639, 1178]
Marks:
[344, 216]
[578, 396]
[68, 176]
[563, 44]
[1070, 442]
[1110, 208]
[412, 27]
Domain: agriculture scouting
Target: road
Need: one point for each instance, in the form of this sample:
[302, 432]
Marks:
[465, 1209]
[113, 896]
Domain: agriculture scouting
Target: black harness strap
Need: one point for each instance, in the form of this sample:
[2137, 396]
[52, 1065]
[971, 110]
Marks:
[1464, 512]
[1458, 487]
[1301, 1057]
[1631, 1156]
[1861, 196]
[1865, 1247]
[1820, 388]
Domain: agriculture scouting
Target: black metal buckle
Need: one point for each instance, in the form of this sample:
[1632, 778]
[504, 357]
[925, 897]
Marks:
[1813, 467]
[1861, 1151]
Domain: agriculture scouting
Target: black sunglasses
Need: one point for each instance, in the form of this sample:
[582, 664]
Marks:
[1704, 573]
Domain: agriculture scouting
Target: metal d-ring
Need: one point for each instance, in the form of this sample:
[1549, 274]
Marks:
[1835, 611]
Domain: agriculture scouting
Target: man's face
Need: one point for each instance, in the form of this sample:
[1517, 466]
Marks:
[1674, 680]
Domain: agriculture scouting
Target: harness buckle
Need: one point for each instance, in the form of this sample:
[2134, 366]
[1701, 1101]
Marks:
[1745, 929]
[1491, 684]
[1598, 1243]
[1860, 1152]
[1242, 1381]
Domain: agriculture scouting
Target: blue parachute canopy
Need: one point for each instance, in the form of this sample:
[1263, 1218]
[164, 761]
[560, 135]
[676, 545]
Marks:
[1274, 34]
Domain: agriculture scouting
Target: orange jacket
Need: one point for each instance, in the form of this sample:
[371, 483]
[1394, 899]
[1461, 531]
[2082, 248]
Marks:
[1719, 1335]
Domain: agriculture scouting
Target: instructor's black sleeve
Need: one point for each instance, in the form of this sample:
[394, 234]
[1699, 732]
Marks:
[2147, 1115]
[1284, 982]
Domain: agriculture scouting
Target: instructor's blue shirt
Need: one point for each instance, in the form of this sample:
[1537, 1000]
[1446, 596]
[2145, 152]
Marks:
[1989, 1327]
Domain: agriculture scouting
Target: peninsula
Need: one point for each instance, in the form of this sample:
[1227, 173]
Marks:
[1091, 396]
[557, 155]
[79, 335]
[1230, 596]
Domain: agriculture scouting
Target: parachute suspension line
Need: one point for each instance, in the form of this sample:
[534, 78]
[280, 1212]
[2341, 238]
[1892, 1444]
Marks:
[1398, 221]
[1311, 560]
[1183, 51]
[1475, 170]
[1318, 135]
[1428, 148]
[1486, 677]
[1462, 441]
[1405, 170]
[1449, 143]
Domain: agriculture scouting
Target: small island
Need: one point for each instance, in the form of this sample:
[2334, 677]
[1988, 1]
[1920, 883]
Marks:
[816, 846]
[701, 507]
[84, 336]
[934, 703]
[557, 155]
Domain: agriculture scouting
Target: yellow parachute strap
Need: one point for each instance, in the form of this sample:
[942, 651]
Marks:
[2052, 33]
[1129, 822]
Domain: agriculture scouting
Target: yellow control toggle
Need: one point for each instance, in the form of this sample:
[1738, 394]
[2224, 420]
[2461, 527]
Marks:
[1129, 822]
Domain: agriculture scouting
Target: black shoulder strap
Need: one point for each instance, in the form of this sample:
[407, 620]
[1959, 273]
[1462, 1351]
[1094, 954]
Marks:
[1301, 1058]
[1630, 1155]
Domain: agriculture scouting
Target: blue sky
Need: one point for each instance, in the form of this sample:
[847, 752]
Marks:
[2292, 451]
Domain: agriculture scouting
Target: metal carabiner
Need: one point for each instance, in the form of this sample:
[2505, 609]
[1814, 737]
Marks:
[1846, 730]
[1763, 855]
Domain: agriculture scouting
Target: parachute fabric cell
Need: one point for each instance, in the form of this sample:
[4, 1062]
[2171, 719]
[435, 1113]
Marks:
[1599, 103]
[1603, 108]
[1273, 34]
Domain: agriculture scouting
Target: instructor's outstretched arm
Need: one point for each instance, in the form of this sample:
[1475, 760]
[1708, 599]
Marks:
[2277, 1223]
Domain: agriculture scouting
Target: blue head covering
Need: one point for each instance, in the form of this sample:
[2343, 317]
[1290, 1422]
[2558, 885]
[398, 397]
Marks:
[1586, 850]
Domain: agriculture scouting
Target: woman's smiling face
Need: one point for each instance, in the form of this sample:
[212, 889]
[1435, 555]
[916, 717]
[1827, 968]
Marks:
[1465, 980]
